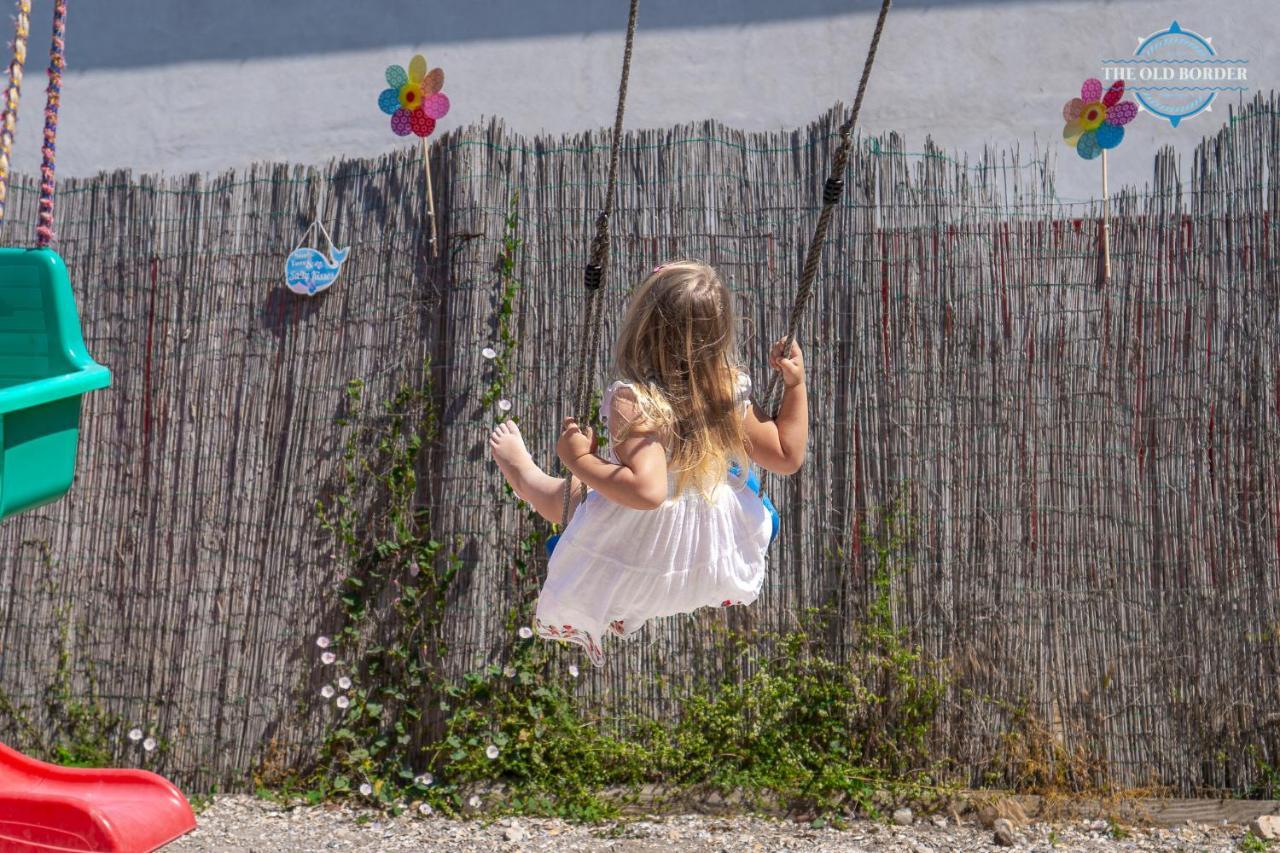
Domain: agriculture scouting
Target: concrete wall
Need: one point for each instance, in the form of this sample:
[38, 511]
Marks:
[182, 85]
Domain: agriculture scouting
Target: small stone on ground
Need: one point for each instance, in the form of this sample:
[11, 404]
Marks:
[1266, 827]
[1004, 834]
[240, 824]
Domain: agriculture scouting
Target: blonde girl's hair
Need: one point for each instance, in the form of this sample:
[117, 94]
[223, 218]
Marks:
[678, 348]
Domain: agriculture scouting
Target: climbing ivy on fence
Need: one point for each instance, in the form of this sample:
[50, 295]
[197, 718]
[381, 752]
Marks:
[383, 665]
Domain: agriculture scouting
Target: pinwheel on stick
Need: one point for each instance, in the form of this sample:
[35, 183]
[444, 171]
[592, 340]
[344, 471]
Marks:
[414, 101]
[1095, 124]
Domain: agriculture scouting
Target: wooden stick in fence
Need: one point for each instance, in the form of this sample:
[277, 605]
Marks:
[431, 201]
[1106, 225]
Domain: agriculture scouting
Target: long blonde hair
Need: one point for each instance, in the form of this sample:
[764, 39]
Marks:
[678, 347]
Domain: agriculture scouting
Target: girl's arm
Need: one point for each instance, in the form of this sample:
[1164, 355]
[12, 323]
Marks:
[779, 444]
[640, 482]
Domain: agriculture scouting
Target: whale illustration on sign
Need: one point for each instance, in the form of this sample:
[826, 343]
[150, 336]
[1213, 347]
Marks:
[309, 271]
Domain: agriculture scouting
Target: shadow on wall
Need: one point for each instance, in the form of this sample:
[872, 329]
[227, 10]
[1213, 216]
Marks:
[141, 33]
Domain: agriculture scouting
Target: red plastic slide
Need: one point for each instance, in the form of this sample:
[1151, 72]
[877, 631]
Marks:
[45, 808]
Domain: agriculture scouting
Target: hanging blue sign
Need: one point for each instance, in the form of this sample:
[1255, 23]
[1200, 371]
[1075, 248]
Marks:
[309, 271]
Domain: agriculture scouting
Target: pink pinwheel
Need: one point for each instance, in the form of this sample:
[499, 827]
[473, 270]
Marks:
[414, 100]
[1096, 121]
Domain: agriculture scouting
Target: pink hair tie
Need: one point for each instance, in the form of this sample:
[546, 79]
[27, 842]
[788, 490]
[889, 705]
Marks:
[658, 267]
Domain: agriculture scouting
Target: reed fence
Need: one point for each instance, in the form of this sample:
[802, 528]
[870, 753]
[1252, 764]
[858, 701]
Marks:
[1093, 469]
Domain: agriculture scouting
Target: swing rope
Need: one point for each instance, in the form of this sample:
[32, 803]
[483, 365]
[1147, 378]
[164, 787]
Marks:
[598, 262]
[831, 193]
[9, 118]
[53, 98]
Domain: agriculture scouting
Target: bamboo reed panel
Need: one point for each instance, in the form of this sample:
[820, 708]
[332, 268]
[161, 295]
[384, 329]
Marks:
[1094, 471]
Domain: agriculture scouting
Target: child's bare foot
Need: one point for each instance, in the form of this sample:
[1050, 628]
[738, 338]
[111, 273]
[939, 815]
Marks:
[509, 451]
[531, 484]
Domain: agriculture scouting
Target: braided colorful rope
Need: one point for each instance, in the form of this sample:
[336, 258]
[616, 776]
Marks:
[9, 118]
[53, 97]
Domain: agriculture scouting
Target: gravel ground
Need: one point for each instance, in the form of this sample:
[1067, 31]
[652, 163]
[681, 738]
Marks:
[240, 823]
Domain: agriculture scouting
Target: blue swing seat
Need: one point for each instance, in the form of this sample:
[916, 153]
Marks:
[753, 483]
[44, 371]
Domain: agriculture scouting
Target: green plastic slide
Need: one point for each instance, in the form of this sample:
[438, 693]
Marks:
[44, 370]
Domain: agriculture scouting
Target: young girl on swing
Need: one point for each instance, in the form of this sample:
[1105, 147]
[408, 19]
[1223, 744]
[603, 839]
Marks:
[673, 520]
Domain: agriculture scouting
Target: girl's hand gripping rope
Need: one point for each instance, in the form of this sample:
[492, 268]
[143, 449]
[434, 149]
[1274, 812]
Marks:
[791, 367]
[574, 443]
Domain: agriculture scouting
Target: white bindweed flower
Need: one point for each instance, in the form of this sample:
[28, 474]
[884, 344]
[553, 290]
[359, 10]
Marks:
[491, 751]
[525, 632]
[149, 744]
[344, 683]
[135, 735]
[509, 671]
[366, 789]
[343, 702]
[474, 802]
[504, 404]
[413, 569]
[489, 353]
[327, 691]
[322, 642]
[424, 779]
[328, 657]
[573, 670]
[425, 809]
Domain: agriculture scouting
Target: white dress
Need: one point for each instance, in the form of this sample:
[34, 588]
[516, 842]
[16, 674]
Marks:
[615, 567]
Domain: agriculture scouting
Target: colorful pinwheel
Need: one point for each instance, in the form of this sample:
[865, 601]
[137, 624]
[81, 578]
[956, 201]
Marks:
[1095, 121]
[414, 100]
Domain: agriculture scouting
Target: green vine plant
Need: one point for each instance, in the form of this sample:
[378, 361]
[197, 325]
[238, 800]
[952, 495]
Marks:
[76, 729]
[82, 730]
[383, 665]
[503, 355]
[1268, 776]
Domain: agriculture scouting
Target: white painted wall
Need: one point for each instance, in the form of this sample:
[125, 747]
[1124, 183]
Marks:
[204, 85]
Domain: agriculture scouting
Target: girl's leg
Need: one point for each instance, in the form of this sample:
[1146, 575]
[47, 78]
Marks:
[544, 492]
